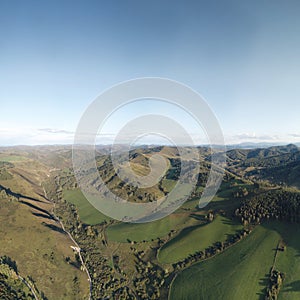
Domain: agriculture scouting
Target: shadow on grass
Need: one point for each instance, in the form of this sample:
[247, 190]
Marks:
[44, 216]
[54, 228]
[292, 287]
[182, 233]
[231, 222]
[37, 208]
[228, 205]
[9, 192]
[197, 217]
[264, 283]
[288, 231]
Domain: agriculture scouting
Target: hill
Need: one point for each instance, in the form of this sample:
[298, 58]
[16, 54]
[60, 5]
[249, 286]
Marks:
[242, 245]
[279, 165]
[30, 235]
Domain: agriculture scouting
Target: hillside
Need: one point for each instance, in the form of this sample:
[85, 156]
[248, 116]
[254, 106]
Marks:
[279, 165]
[193, 253]
[29, 234]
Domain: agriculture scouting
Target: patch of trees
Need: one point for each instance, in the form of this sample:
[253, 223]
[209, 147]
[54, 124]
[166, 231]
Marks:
[211, 251]
[278, 204]
[241, 192]
[10, 292]
[6, 164]
[7, 194]
[4, 174]
[5, 260]
[173, 172]
[11, 287]
[107, 282]
[150, 278]
[264, 157]
[281, 174]
[275, 283]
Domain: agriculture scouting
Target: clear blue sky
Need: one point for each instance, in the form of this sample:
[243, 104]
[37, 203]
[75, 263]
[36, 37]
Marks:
[57, 56]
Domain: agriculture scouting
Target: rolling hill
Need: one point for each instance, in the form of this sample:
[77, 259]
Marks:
[228, 250]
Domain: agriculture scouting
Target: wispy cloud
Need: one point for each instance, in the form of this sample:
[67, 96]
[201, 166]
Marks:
[55, 131]
[253, 136]
[295, 135]
[39, 136]
[33, 136]
[259, 138]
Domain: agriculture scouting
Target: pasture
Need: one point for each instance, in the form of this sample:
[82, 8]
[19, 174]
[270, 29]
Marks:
[88, 214]
[197, 238]
[242, 271]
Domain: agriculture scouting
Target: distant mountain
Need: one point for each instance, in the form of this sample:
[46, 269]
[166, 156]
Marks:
[278, 164]
[288, 174]
[248, 145]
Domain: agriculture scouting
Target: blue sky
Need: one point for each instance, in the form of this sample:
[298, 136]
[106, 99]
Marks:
[243, 57]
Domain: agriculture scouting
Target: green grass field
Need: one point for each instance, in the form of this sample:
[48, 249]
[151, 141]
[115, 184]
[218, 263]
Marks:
[197, 238]
[288, 261]
[87, 212]
[12, 158]
[168, 184]
[121, 232]
[242, 271]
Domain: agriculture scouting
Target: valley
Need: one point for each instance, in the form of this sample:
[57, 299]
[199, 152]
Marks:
[235, 241]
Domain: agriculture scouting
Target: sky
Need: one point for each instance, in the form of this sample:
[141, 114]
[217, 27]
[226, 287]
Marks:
[242, 57]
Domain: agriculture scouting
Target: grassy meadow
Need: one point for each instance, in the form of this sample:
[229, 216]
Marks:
[241, 271]
[87, 212]
[122, 232]
[197, 238]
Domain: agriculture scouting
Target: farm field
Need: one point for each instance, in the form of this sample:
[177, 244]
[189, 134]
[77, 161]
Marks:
[244, 266]
[288, 261]
[12, 158]
[122, 232]
[87, 212]
[148, 260]
[197, 238]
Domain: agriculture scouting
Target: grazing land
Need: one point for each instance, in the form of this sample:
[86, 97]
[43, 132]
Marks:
[243, 245]
[206, 235]
[245, 266]
[87, 213]
[33, 239]
[122, 232]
